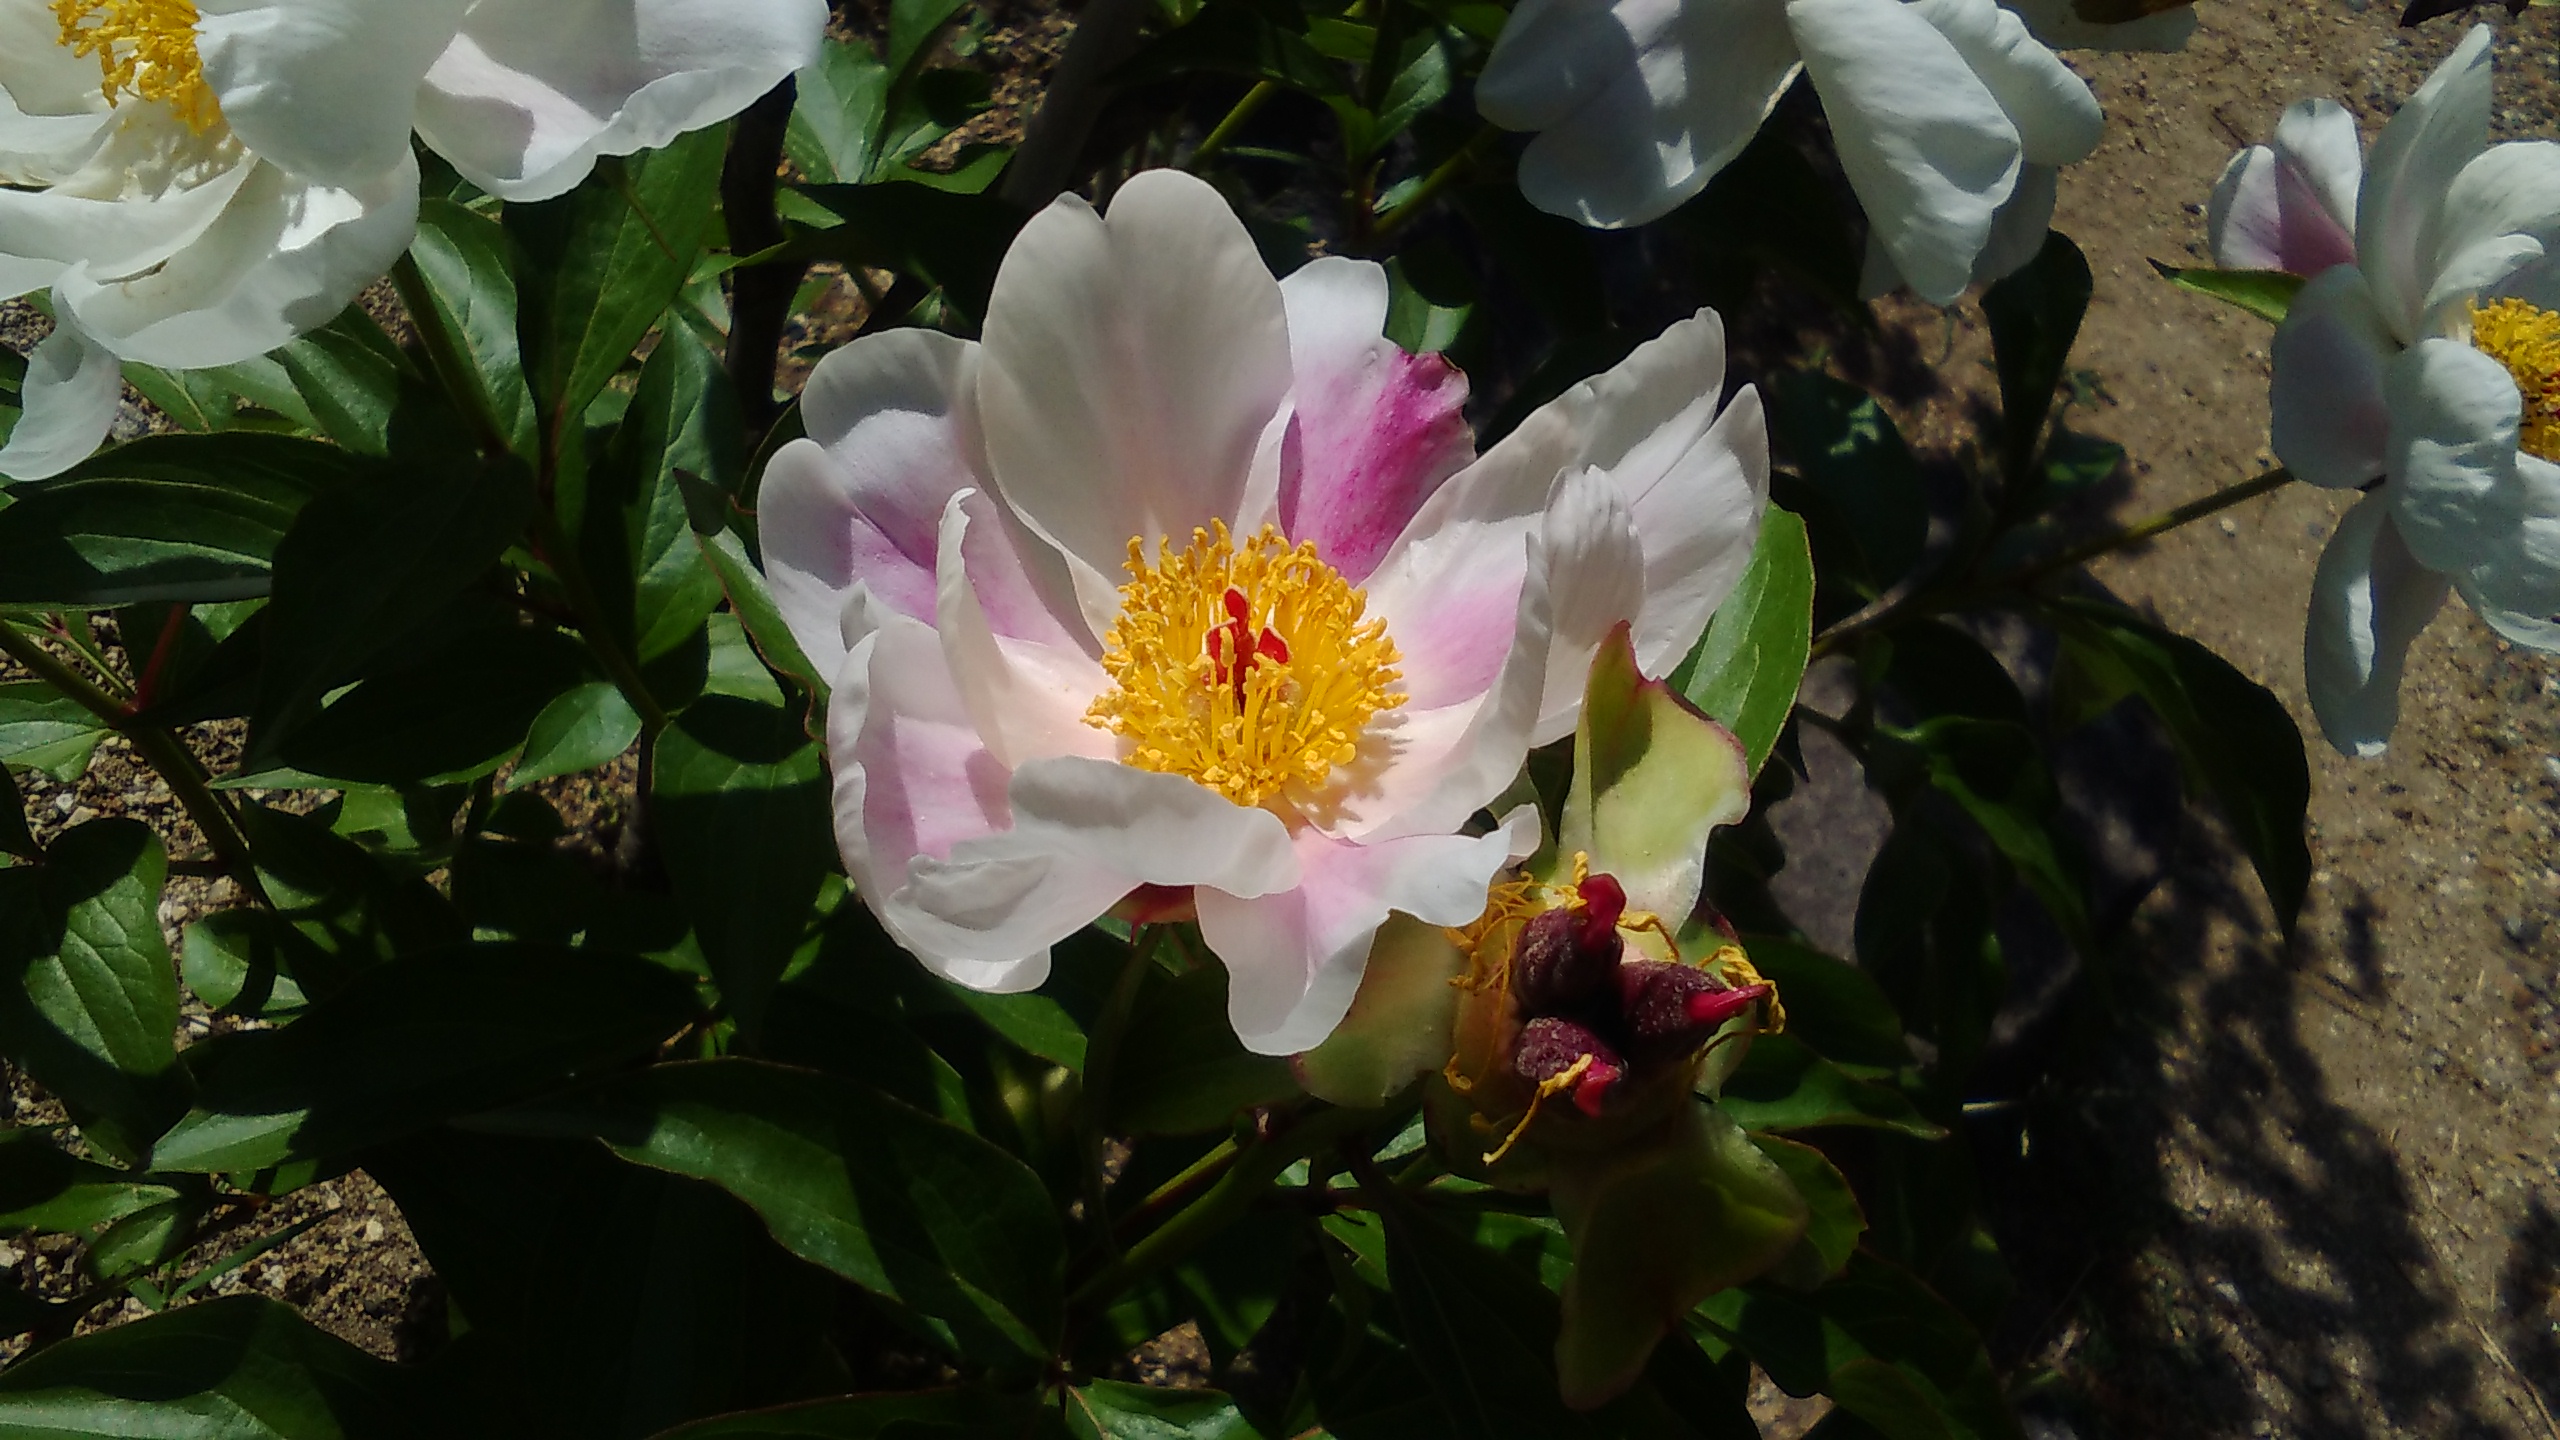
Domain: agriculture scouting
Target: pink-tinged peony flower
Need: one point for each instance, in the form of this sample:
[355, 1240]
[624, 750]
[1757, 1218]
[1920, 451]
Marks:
[2421, 365]
[1187, 578]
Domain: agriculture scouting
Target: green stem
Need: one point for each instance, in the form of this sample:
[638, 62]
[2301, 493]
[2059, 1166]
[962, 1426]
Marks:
[1101, 1060]
[623, 670]
[1432, 184]
[2026, 577]
[1245, 109]
[162, 750]
[1248, 1177]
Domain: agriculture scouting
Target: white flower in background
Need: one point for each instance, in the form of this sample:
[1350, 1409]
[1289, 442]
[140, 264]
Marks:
[2420, 365]
[1189, 580]
[200, 182]
[1950, 117]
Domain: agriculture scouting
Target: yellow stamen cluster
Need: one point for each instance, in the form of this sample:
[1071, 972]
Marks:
[2526, 339]
[146, 49]
[1249, 668]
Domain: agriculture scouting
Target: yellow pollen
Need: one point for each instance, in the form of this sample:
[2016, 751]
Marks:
[146, 49]
[1247, 668]
[2526, 339]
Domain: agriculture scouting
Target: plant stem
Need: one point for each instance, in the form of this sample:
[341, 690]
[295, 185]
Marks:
[162, 750]
[1107, 32]
[1245, 109]
[1101, 1059]
[759, 295]
[1435, 182]
[555, 547]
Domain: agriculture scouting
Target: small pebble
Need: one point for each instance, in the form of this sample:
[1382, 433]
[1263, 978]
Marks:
[373, 1232]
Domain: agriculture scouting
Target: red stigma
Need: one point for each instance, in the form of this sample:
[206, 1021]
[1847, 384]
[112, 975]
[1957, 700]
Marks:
[1603, 901]
[1714, 1007]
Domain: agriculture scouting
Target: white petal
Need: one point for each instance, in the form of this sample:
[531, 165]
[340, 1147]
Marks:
[1294, 958]
[530, 92]
[39, 72]
[2454, 419]
[2492, 213]
[325, 88]
[2369, 599]
[2427, 143]
[149, 190]
[1927, 147]
[1640, 104]
[1029, 695]
[2057, 24]
[2017, 236]
[286, 257]
[2518, 570]
[2057, 119]
[2327, 418]
[1161, 829]
[1595, 581]
[1131, 367]
[2291, 206]
[912, 779]
[72, 388]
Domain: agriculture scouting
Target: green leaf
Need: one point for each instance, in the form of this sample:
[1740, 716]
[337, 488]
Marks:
[238, 1368]
[1110, 1410]
[364, 564]
[351, 378]
[911, 1209]
[415, 1041]
[1857, 467]
[211, 399]
[587, 726]
[463, 256]
[634, 530]
[192, 518]
[351, 909]
[2235, 735]
[1651, 778]
[44, 1188]
[1997, 776]
[748, 595]
[949, 240]
[151, 1236]
[840, 107]
[1835, 1218]
[2267, 294]
[1181, 1070]
[1482, 1332]
[2034, 316]
[1881, 1345]
[15, 839]
[908, 1415]
[450, 712]
[88, 998]
[1832, 1005]
[739, 797]
[1239, 40]
[45, 730]
[604, 261]
[1657, 1227]
[1783, 1085]
[236, 961]
[1748, 666]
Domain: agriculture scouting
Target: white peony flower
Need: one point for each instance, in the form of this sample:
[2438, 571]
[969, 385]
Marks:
[1950, 117]
[2420, 365]
[200, 182]
[1188, 584]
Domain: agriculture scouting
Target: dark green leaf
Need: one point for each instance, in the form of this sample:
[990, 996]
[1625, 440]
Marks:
[1249, 42]
[911, 1415]
[1181, 1069]
[585, 727]
[350, 909]
[742, 819]
[2267, 294]
[1750, 663]
[2235, 735]
[1109, 1410]
[448, 713]
[44, 1188]
[838, 114]
[416, 1041]
[351, 377]
[88, 998]
[237, 961]
[211, 399]
[1996, 775]
[1849, 453]
[171, 517]
[604, 261]
[2034, 316]
[744, 585]
[635, 531]
[1836, 1222]
[151, 1236]
[43, 729]
[239, 1368]
[463, 256]
[1832, 1005]
[1941, 670]
[1783, 1085]
[907, 1207]
[1483, 1333]
[15, 838]
[949, 240]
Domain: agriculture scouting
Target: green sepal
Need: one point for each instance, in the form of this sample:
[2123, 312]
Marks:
[1651, 778]
[2267, 294]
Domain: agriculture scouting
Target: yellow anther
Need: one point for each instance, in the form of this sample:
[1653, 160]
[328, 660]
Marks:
[2526, 339]
[145, 49]
[1249, 668]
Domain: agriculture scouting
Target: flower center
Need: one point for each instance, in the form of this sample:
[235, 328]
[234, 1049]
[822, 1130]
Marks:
[2526, 339]
[1246, 667]
[146, 49]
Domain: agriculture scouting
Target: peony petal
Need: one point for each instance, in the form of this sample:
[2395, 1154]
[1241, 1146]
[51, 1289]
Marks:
[2058, 24]
[286, 256]
[2518, 571]
[1132, 366]
[1925, 144]
[1160, 829]
[1377, 430]
[2327, 419]
[1640, 103]
[72, 388]
[1294, 958]
[2369, 599]
[2291, 206]
[2057, 119]
[40, 74]
[912, 779]
[1595, 581]
[146, 191]
[325, 88]
[2493, 212]
[2438, 132]
[531, 92]
[2018, 231]
[1030, 697]
[2452, 453]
